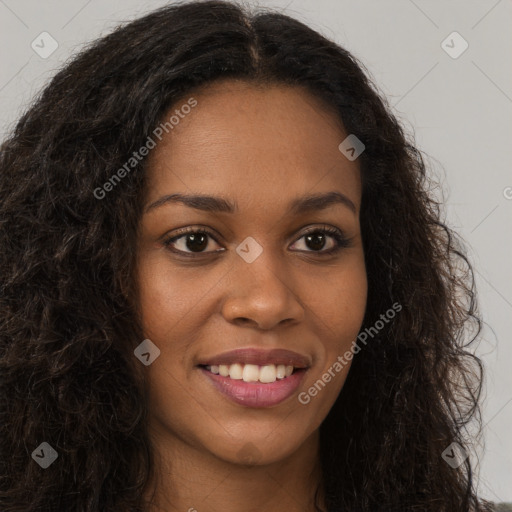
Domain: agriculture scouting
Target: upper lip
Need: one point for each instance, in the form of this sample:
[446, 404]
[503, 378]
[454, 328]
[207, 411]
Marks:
[260, 357]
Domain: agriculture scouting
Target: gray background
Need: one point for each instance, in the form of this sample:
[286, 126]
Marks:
[459, 111]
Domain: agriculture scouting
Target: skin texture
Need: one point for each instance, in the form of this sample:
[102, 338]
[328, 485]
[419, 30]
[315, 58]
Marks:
[261, 147]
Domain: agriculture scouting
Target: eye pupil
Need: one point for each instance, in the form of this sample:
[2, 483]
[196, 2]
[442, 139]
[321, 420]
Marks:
[315, 237]
[197, 241]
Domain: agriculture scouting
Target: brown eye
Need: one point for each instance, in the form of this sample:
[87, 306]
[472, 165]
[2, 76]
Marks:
[316, 239]
[191, 241]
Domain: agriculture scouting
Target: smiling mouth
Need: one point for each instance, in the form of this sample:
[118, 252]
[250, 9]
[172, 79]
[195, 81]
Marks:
[263, 374]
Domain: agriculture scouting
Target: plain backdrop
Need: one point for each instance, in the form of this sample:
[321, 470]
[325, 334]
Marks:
[458, 105]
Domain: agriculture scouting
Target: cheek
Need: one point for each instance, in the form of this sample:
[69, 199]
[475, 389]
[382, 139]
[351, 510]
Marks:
[166, 297]
[166, 305]
[340, 305]
[340, 302]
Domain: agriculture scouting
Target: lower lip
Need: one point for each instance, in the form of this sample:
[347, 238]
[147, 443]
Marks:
[256, 394]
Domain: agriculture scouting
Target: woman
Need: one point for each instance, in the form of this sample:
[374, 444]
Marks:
[225, 285]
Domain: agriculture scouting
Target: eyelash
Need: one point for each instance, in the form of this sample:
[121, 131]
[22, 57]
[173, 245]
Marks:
[341, 241]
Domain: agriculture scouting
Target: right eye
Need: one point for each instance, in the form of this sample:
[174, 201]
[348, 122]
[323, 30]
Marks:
[193, 241]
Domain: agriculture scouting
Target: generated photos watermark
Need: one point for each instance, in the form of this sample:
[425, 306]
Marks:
[138, 156]
[343, 360]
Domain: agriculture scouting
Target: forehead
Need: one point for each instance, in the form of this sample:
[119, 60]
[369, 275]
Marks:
[255, 142]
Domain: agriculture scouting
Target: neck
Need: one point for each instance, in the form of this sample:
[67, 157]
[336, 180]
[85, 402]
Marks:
[191, 479]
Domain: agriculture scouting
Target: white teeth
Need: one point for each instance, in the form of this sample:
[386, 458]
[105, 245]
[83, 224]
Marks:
[268, 373]
[235, 371]
[252, 372]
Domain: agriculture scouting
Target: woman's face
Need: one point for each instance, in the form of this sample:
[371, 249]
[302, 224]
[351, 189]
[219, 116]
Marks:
[257, 293]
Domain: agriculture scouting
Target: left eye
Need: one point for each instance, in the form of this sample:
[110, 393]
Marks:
[196, 241]
[318, 236]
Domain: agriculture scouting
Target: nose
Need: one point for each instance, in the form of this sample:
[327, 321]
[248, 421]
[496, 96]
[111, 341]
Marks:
[261, 293]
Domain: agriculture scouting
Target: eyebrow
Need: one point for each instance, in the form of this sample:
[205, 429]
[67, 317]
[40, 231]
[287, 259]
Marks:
[214, 204]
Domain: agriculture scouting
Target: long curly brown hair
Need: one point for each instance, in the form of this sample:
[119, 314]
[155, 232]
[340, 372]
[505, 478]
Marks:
[68, 328]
